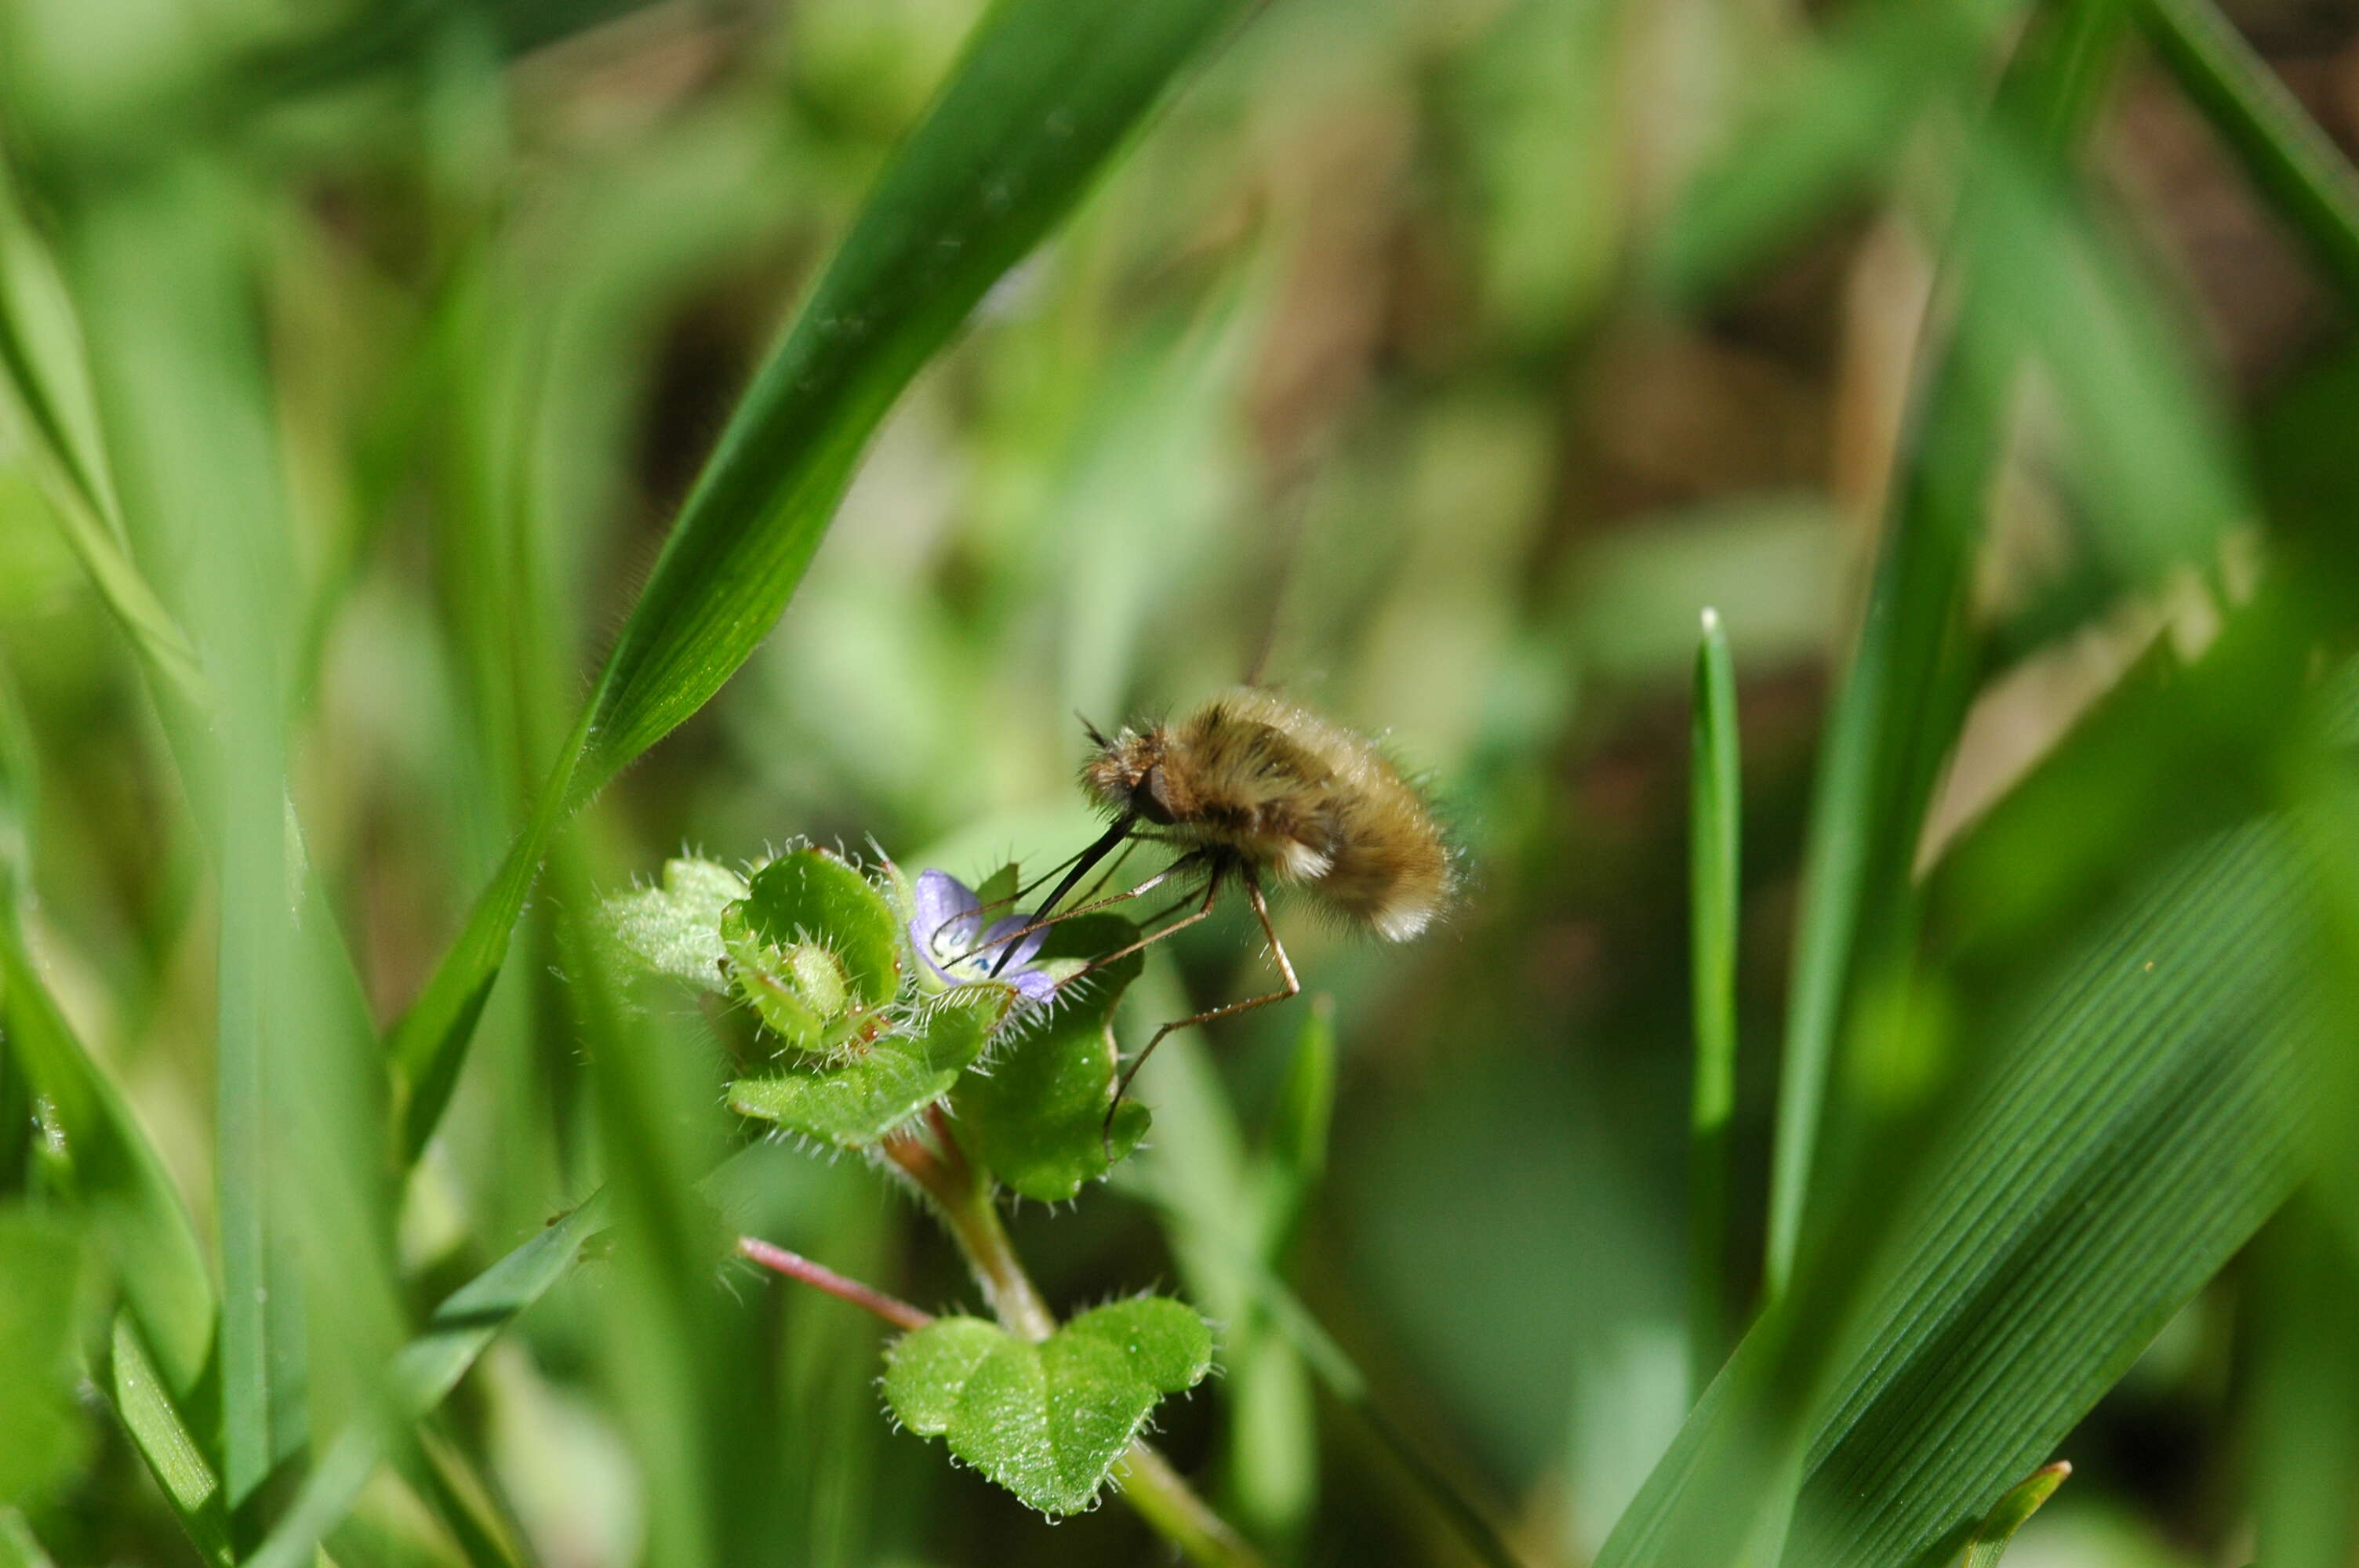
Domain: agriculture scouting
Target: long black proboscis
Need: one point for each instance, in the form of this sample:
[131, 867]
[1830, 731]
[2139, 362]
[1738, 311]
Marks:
[1098, 852]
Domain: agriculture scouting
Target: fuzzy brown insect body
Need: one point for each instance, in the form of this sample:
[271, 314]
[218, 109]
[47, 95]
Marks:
[1250, 786]
[1253, 781]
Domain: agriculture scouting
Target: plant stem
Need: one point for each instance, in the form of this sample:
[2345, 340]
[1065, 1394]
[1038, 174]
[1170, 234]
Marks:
[961, 1191]
[1715, 799]
[795, 1266]
[1164, 1500]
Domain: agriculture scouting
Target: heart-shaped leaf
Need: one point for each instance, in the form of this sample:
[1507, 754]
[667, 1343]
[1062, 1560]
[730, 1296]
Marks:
[1039, 1112]
[1046, 1421]
[883, 1084]
[675, 929]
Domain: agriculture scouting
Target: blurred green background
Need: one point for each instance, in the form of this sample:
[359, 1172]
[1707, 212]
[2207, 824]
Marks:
[1440, 360]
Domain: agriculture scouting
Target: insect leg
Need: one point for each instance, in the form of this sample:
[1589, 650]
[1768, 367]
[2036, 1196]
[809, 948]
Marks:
[1292, 988]
[1212, 892]
[1185, 863]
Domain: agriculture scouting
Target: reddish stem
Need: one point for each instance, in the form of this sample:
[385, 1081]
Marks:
[795, 1266]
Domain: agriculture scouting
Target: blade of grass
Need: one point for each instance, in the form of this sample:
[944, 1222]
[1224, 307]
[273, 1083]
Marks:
[1048, 91]
[162, 264]
[2011, 1514]
[39, 360]
[1905, 692]
[1833, 122]
[181, 389]
[2293, 161]
[1715, 802]
[2138, 1129]
[164, 1441]
[2305, 1394]
[425, 1372]
[113, 1171]
[19, 1548]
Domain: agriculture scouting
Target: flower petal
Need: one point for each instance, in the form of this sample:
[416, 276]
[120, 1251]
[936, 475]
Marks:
[1007, 926]
[947, 913]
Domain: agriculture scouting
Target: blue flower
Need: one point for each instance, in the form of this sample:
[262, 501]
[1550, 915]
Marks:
[950, 936]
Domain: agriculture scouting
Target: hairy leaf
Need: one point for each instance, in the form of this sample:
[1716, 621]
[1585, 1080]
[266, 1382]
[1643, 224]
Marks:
[1046, 1421]
[884, 1083]
[1037, 1107]
[675, 929]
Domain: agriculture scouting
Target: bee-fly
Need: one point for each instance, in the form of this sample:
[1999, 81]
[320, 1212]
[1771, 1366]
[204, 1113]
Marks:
[1252, 787]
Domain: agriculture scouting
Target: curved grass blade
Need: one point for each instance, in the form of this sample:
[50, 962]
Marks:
[2295, 163]
[1833, 122]
[19, 1548]
[162, 1436]
[2012, 1512]
[38, 360]
[2143, 1123]
[1715, 801]
[113, 1171]
[1905, 694]
[1048, 92]
[428, 1369]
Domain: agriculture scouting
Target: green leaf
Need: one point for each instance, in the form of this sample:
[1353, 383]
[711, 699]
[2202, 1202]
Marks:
[426, 1370]
[1905, 694]
[928, 1369]
[2293, 161]
[1833, 122]
[1046, 1421]
[884, 1083]
[815, 950]
[811, 895]
[1048, 92]
[113, 1172]
[675, 929]
[798, 991]
[2011, 1513]
[42, 1435]
[1037, 1107]
[19, 1548]
[2127, 1141]
[1295, 1153]
[1716, 803]
[163, 1439]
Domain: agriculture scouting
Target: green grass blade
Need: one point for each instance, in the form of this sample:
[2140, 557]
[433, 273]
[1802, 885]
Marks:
[1716, 803]
[1905, 694]
[40, 365]
[2293, 161]
[162, 264]
[1830, 127]
[2134, 1134]
[1049, 91]
[114, 1173]
[2012, 1513]
[162, 1436]
[425, 1371]
[19, 1548]
[2306, 1393]
[1894, 718]
[180, 383]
